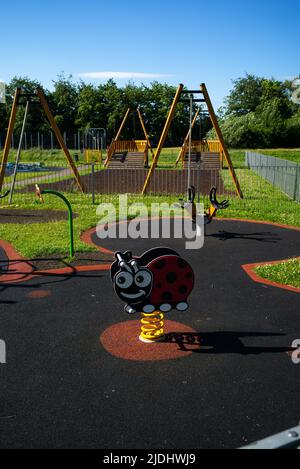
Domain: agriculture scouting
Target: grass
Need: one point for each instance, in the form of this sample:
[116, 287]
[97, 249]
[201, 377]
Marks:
[287, 273]
[261, 202]
[44, 177]
[27, 175]
[46, 239]
[169, 155]
[35, 240]
[167, 158]
[46, 157]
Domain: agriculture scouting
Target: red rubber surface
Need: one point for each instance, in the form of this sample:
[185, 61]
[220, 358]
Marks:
[122, 341]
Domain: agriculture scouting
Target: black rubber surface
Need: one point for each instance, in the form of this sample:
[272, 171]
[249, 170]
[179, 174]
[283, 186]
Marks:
[60, 388]
[3, 262]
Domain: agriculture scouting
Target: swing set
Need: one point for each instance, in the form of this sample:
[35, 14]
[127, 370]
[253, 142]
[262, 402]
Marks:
[27, 100]
[217, 149]
[129, 153]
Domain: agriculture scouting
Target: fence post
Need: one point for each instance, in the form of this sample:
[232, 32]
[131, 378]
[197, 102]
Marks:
[297, 183]
[93, 184]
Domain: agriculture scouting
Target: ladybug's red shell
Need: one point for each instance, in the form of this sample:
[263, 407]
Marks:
[173, 279]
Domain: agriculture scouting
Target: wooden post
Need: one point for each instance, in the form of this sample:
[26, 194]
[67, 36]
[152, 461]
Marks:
[182, 150]
[145, 132]
[163, 137]
[9, 134]
[59, 137]
[110, 151]
[117, 137]
[215, 123]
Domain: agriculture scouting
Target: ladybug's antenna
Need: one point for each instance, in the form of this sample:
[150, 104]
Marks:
[130, 265]
[122, 262]
[134, 266]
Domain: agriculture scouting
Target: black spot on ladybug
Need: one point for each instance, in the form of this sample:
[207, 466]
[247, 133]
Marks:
[166, 296]
[189, 275]
[171, 277]
[182, 289]
[182, 263]
[160, 264]
[158, 285]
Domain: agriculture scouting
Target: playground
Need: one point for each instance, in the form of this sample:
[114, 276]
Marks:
[207, 359]
[78, 376]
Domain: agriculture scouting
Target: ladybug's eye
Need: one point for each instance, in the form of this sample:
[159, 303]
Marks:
[143, 278]
[124, 280]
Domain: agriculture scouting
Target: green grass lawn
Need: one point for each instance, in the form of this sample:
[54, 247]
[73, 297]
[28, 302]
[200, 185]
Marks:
[167, 158]
[46, 239]
[23, 176]
[261, 202]
[46, 157]
[52, 238]
[287, 273]
[169, 155]
[45, 177]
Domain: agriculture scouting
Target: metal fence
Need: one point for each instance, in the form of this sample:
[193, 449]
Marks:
[100, 184]
[281, 173]
[76, 140]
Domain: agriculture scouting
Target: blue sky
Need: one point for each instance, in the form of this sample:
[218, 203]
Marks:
[188, 41]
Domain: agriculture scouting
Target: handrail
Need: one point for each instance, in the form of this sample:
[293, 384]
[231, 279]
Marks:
[119, 146]
[210, 146]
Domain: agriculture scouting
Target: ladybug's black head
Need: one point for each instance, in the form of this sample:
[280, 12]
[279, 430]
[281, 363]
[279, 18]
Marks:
[133, 283]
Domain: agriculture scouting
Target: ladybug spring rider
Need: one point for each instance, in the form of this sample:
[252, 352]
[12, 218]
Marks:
[153, 284]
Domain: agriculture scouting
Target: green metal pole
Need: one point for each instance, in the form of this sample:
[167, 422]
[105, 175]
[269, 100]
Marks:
[4, 195]
[70, 212]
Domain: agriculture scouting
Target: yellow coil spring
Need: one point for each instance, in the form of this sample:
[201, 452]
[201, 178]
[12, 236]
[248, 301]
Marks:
[152, 325]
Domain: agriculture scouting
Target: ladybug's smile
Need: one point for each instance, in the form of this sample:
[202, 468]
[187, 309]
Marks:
[133, 295]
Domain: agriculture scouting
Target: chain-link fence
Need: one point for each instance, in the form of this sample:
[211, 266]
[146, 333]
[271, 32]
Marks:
[76, 140]
[261, 197]
[280, 173]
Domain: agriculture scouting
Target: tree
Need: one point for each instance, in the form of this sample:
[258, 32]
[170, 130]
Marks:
[35, 120]
[259, 113]
[276, 92]
[88, 114]
[245, 96]
[64, 102]
[293, 131]
[241, 131]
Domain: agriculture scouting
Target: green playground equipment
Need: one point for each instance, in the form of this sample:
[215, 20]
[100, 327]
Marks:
[40, 193]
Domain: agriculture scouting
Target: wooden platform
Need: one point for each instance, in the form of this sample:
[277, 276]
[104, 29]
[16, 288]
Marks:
[127, 160]
[209, 160]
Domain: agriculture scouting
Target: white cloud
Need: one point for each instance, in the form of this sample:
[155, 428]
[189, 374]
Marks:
[121, 75]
